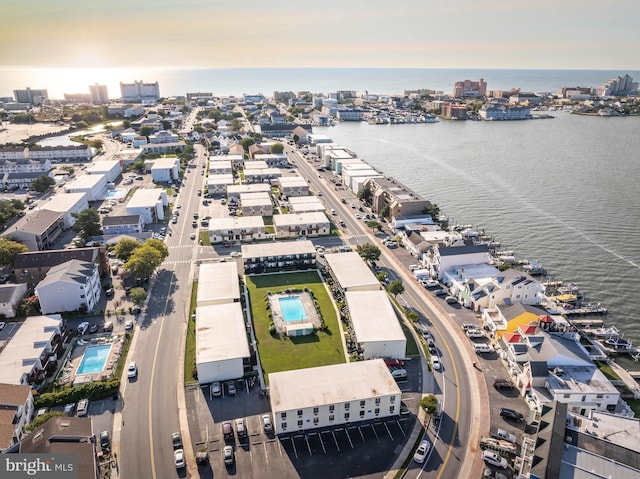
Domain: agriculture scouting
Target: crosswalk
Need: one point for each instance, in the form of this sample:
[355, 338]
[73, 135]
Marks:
[179, 261]
[183, 246]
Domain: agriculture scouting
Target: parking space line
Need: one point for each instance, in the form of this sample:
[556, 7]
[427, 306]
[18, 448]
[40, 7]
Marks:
[401, 429]
[322, 443]
[295, 451]
[389, 432]
[375, 432]
[335, 440]
[266, 453]
[306, 439]
[361, 435]
[348, 437]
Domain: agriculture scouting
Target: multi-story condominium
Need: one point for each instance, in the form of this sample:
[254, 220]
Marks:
[282, 129]
[234, 191]
[38, 230]
[220, 168]
[618, 86]
[57, 154]
[328, 396]
[16, 404]
[498, 112]
[273, 160]
[293, 186]
[33, 351]
[218, 184]
[256, 204]
[149, 203]
[261, 175]
[243, 228]
[351, 114]
[125, 224]
[164, 136]
[302, 224]
[576, 91]
[99, 95]
[401, 200]
[278, 256]
[33, 97]
[468, 88]
[71, 286]
[13, 153]
[139, 91]
[283, 95]
[24, 165]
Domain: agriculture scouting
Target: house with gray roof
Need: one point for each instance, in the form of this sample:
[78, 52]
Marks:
[10, 297]
[16, 410]
[71, 286]
[38, 230]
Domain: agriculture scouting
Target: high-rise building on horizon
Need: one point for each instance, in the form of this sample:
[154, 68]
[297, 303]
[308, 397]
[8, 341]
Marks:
[33, 97]
[99, 95]
[140, 91]
[468, 88]
[618, 86]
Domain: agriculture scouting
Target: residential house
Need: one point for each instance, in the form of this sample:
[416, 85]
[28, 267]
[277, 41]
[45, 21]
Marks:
[400, 200]
[10, 297]
[218, 184]
[261, 175]
[305, 204]
[173, 147]
[165, 170]
[291, 186]
[256, 204]
[122, 224]
[446, 258]
[234, 191]
[164, 136]
[58, 154]
[67, 204]
[71, 286]
[148, 203]
[220, 168]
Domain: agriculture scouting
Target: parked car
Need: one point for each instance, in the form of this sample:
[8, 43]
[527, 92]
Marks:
[2, 325]
[267, 425]
[422, 451]
[475, 333]
[494, 459]
[176, 440]
[241, 428]
[399, 374]
[451, 300]
[178, 458]
[93, 328]
[483, 348]
[132, 371]
[431, 283]
[511, 414]
[82, 328]
[216, 389]
[503, 384]
[394, 363]
[128, 326]
[227, 431]
[504, 435]
[105, 441]
[83, 407]
[108, 326]
[229, 456]
[70, 408]
[435, 363]
[231, 388]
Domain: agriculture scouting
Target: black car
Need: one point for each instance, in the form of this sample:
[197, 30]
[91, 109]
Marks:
[511, 414]
[105, 441]
[176, 440]
[503, 384]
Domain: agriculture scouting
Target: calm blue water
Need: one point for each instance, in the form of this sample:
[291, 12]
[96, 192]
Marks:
[236, 81]
[292, 309]
[94, 359]
[114, 194]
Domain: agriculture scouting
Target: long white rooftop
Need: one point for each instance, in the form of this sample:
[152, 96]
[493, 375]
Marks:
[277, 248]
[373, 317]
[351, 271]
[220, 333]
[218, 282]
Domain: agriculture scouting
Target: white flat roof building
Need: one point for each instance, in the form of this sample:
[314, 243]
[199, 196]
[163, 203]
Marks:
[234, 191]
[301, 224]
[241, 228]
[67, 203]
[305, 204]
[110, 168]
[28, 349]
[375, 324]
[351, 272]
[95, 186]
[218, 283]
[221, 342]
[277, 249]
[332, 395]
[255, 164]
[218, 184]
[148, 203]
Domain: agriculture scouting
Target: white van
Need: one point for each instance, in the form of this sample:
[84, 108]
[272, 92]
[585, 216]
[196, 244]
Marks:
[483, 348]
[399, 374]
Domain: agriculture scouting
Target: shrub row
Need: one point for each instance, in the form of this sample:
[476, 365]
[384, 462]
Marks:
[92, 391]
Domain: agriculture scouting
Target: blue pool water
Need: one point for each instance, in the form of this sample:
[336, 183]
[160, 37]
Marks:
[113, 194]
[94, 359]
[292, 309]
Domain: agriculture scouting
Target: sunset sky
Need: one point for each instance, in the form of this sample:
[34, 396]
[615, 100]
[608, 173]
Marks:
[580, 34]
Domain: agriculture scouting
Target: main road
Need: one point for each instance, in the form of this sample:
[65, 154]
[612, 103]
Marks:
[458, 385]
[150, 410]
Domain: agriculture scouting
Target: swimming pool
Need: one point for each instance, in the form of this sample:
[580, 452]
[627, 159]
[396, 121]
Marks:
[292, 309]
[114, 194]
[94, 359]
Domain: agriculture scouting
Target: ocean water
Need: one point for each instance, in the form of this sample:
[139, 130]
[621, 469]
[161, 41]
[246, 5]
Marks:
[236, 81]
[562, 191]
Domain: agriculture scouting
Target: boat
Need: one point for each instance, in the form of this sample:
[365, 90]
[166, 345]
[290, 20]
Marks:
[618, 343]
[534, 268]
[602, 333]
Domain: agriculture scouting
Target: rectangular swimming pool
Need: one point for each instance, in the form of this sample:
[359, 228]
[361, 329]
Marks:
[292, 309]
[114, 194]
[94, 359]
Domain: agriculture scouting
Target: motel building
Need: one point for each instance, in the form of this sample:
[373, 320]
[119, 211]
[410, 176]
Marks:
[332, 395]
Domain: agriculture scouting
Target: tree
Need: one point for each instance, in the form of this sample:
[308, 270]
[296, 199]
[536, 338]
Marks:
[87, 223]
[125, 248]
[381, 276]
[137, 296]
[146, 258]
[42, 183]
[166, 124]
[412, 316]
[236, 125]
[433, 210]
[277, 148]
[429, 403]
[69, 170]
[374, 225]
[9, 249]
[365, 194]
[396, 287]
[385, 212]
[296, 139]
[146, 130]
[138, 166]
[246, 143]
[368, 251]
[9, 209]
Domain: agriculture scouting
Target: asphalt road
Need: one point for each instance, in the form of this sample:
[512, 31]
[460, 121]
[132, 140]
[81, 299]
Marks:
[457, 385]
[150, 412]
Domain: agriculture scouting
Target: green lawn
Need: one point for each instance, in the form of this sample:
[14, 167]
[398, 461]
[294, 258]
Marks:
[190, 348]
[281, 353]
